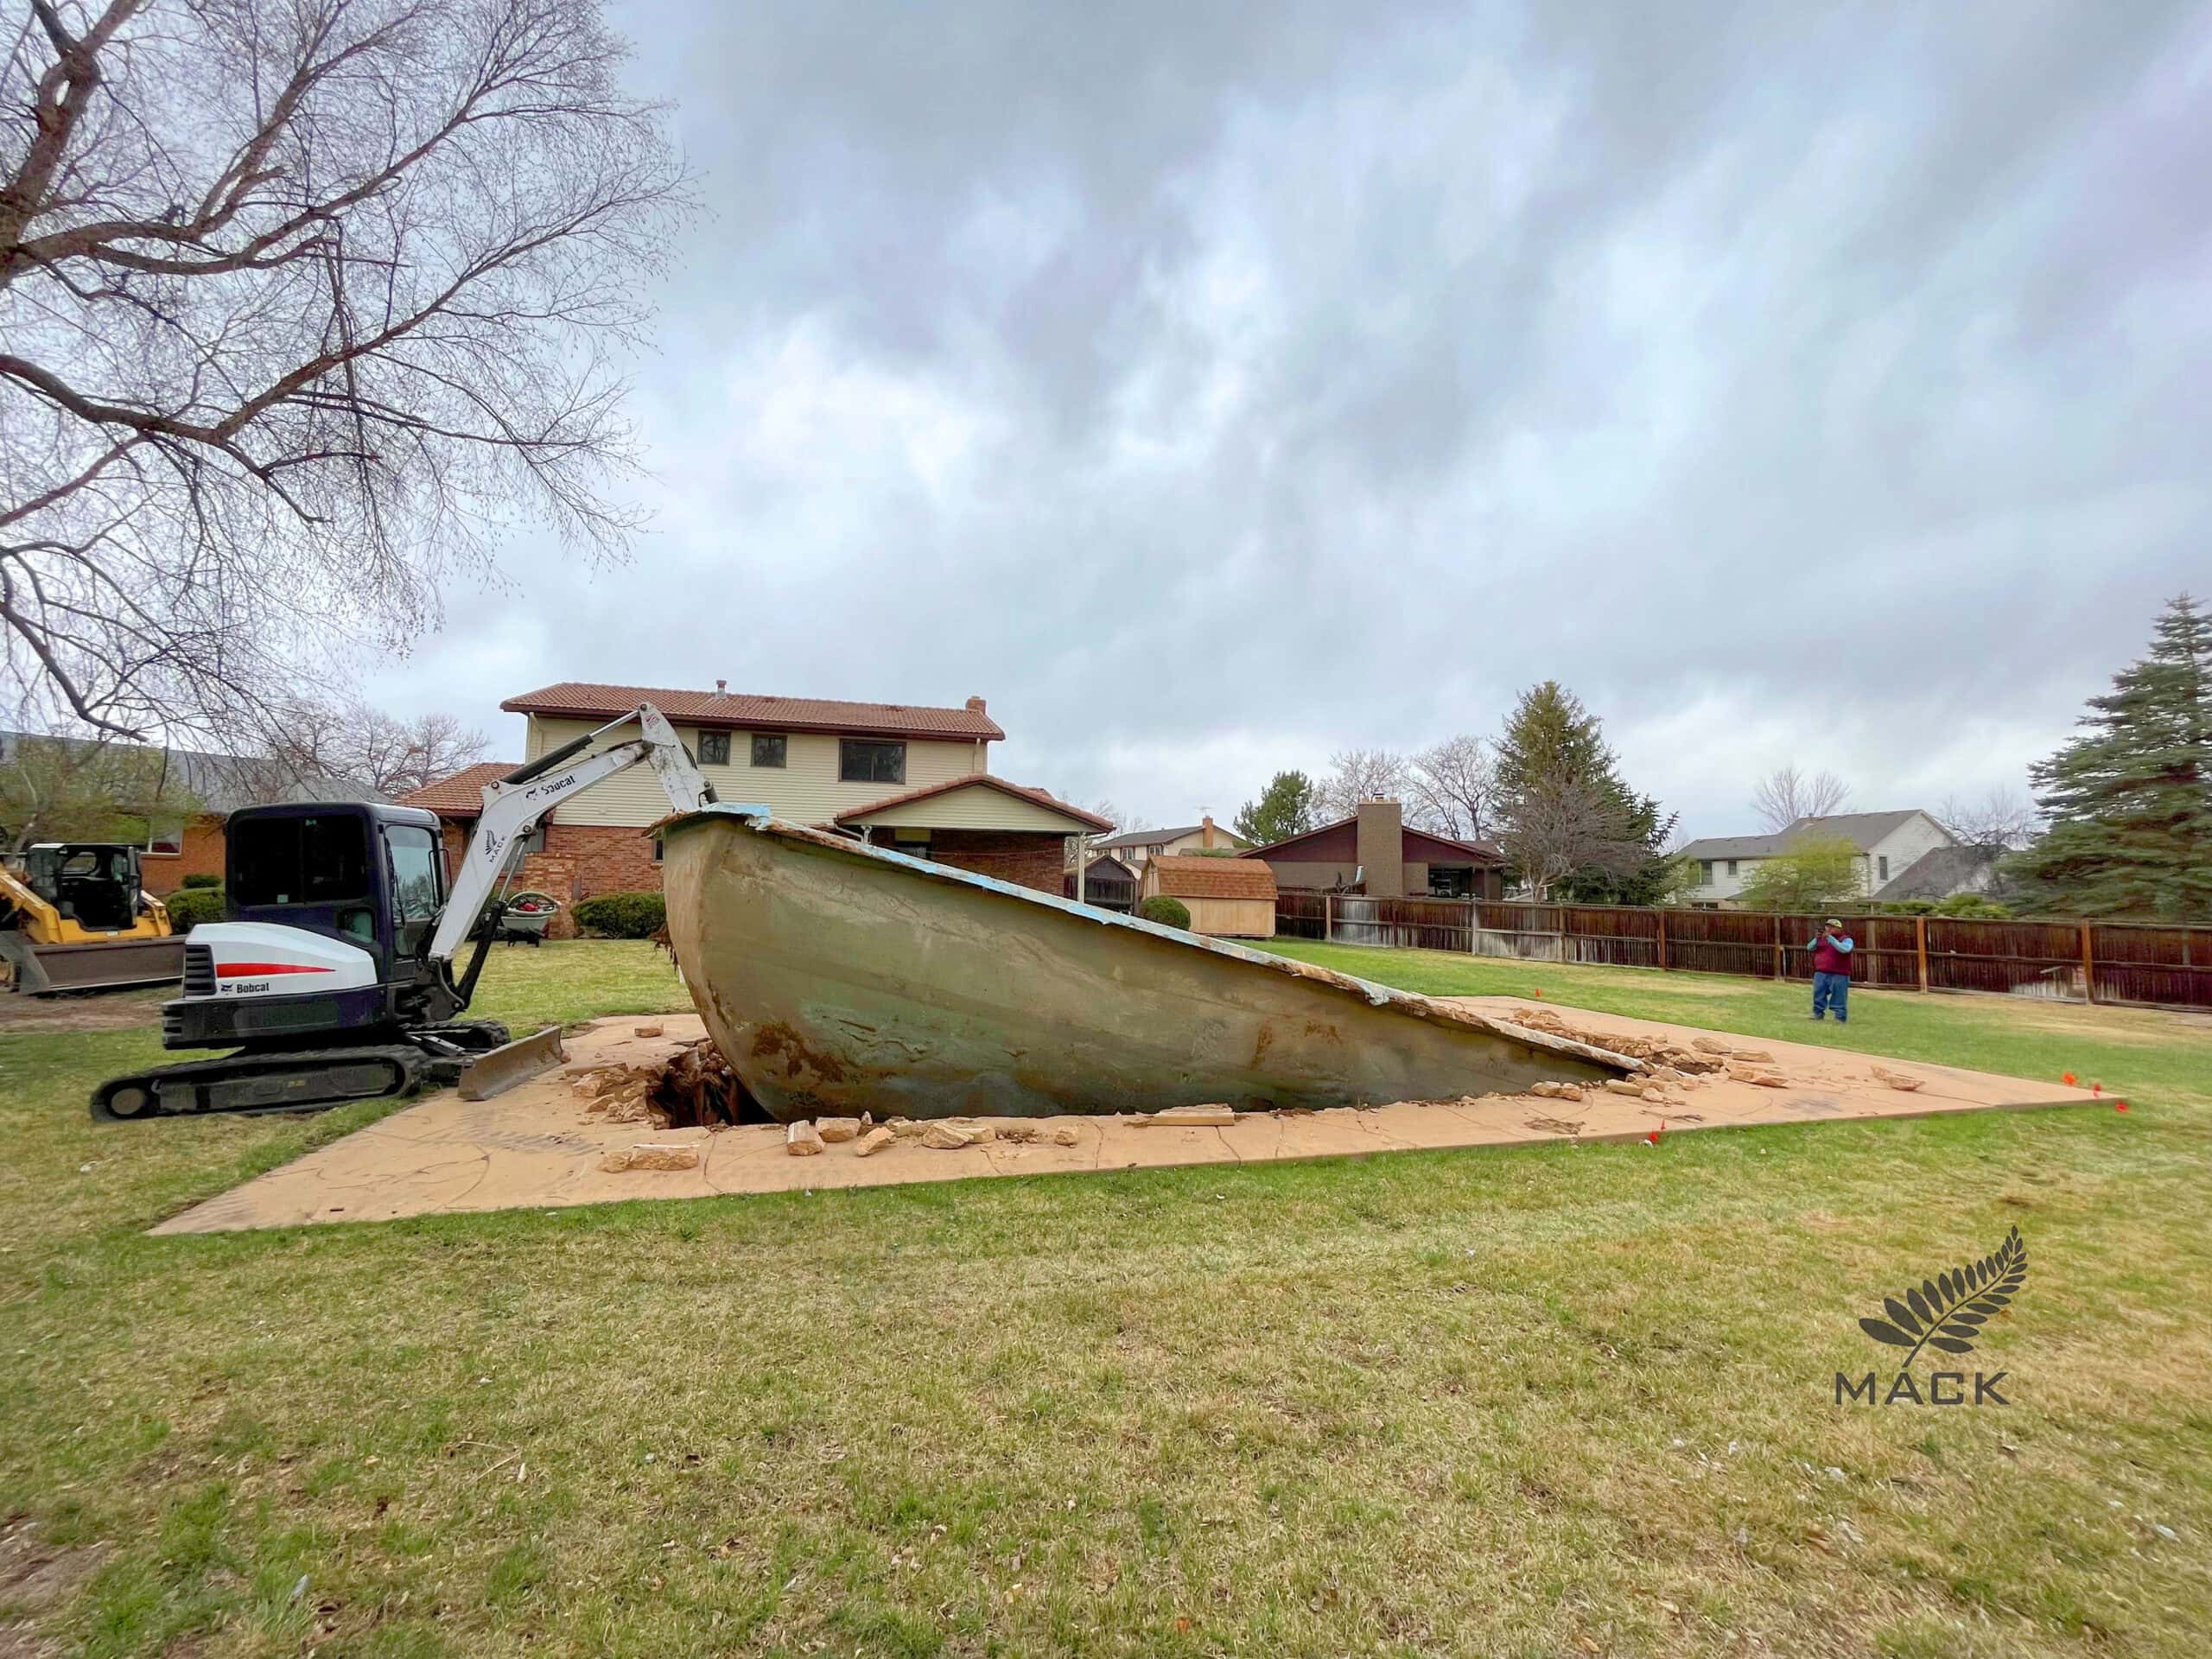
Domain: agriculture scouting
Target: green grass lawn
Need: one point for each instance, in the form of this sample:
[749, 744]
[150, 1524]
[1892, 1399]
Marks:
[1556, 1400]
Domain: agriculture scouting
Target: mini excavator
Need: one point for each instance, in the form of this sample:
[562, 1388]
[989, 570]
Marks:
[332, 976]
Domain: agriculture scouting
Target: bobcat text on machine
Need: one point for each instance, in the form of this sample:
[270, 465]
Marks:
[333, 977]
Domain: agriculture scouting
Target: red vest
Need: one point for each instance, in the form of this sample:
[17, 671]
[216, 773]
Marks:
[1826, 959]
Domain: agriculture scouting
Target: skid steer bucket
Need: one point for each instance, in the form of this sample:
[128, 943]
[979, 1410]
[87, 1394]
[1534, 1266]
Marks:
[517, 1062]
[107, 965]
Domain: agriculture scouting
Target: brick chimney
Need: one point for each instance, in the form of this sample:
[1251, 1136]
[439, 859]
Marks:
[974, 705]
[1205, 831]
[1381, 843]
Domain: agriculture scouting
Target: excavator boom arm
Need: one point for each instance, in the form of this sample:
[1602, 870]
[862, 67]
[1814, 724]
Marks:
[514, 805]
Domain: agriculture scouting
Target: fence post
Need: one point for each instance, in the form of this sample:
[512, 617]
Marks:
[2088, 964]
[1328, 918]
[1779, 973]
[1662, 941]
[1920, 947]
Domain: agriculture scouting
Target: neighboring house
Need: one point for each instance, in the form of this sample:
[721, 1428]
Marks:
[1137, 847]
[1946, 872]
[208, 788]
[910, 778]
[1107, 882]
[1375, 853]
[1226, 897]
[1884, 845]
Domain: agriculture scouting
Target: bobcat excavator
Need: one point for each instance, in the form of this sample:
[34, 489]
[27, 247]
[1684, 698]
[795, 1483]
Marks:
[333, 976]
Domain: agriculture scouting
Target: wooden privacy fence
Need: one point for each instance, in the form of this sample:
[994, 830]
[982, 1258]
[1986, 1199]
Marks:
[2098, 962]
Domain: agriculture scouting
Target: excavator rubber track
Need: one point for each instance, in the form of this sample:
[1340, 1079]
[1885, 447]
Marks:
[309, 1080]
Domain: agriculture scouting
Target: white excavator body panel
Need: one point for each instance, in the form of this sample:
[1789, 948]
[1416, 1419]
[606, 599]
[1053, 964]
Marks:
[266, 959]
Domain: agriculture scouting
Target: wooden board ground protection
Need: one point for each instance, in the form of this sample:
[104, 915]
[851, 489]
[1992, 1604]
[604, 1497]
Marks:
[538, 1146]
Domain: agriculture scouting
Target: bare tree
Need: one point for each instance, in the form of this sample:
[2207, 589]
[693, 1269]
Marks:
[363, 744]
[2003, 817]
[1357, 775]
[1563, 824]
[1454, 787]
[302, 303]
[1788, 795]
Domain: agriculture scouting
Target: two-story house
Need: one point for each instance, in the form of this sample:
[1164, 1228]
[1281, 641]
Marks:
[907, 776]
[1883, 845]
[1137, 847]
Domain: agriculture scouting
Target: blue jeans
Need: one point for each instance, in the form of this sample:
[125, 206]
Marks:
[1832, 991]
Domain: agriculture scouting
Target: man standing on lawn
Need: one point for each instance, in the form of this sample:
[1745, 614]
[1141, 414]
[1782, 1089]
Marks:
[1831, 950]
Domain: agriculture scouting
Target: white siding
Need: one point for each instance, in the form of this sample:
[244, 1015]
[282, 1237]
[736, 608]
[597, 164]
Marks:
[804, 789]
[1903, 847]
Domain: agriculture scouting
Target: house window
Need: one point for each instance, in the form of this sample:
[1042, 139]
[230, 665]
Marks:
[166, 840]
[1885, 861]
[859, 761]
[768, 749]
[1704, 872]
[714, 749]
[1731, 866]
[656, 845]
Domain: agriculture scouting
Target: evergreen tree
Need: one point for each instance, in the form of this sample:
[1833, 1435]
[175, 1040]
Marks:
[1289, 806]
[2130, 798]
[1550, 739]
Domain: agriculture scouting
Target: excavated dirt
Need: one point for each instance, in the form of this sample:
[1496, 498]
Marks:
[692, 1089]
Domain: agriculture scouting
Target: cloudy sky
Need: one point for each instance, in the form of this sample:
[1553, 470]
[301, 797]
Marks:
[1796, 382]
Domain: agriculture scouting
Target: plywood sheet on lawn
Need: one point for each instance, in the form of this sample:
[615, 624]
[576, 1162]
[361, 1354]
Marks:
[535, 1147]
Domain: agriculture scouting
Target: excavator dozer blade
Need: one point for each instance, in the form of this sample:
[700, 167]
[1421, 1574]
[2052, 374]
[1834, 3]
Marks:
[517, 1062]
[110, 965]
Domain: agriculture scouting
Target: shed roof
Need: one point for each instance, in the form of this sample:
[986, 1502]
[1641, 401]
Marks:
[1193, 875]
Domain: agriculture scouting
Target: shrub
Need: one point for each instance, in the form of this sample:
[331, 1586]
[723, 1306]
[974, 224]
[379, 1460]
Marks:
[193, 903]
[1972, 906]
[203, 880]
[1169, 913]
[622, 915]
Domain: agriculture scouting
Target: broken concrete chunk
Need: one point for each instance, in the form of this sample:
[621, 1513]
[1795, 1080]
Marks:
[834, 1130]
[1899, 1079]
[801, 1140]
[1752, 1056]
[1019, 1128]
[1194, 1117]
[906, 1128]
[1758, 1074]
[1625, 1086]
[948, 1136]
[646, 1155]
[1067, 1135]
[1708, 1045]
[1657, 1097]
[645, 1030]
[873, 1142]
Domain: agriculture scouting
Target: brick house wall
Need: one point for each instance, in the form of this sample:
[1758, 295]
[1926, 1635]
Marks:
[1022, 857]
[164, 873]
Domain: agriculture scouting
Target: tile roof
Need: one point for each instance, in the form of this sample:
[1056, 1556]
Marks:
[584, 701]
[1861, 830]
[461, 796]
[1193, 875]
[970, 781]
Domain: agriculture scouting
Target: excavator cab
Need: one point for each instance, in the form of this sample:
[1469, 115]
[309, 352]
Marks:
[76, 917]
[328, 906]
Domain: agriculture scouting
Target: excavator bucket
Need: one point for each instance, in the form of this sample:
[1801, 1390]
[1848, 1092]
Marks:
[501, 1069]
[106, 965]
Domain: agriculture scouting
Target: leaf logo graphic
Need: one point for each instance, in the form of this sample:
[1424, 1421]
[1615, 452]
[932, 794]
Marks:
[1947, 1311]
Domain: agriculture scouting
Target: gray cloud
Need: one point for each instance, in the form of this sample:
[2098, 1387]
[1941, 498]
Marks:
[1815, 385]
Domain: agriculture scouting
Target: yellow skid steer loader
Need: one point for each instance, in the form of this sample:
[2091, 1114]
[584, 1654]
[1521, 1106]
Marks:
[74, 917]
